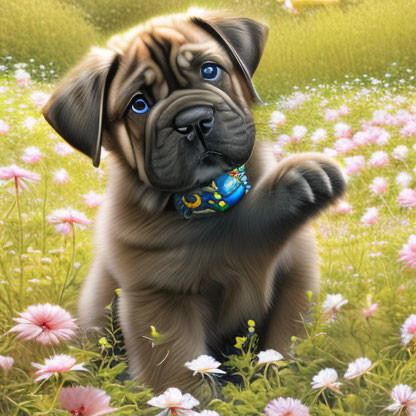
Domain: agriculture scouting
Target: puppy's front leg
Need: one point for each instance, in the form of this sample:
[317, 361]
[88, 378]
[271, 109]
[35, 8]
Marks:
[296, 190]
[159, 361]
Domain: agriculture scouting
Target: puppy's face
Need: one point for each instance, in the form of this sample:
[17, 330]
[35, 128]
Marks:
[172, 98]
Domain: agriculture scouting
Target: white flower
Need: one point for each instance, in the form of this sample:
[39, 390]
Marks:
[400, 152]
[332, 305]
[277, 119]
[269, 356]
[326, 378]
[357, 368]
[404, 400]
[298, 132]
[318, 135]
[208, 413]
[174, 403]
[403, 179]
[204, 364]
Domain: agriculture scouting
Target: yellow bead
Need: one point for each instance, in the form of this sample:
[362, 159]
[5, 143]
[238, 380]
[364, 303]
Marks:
[211, 202]
[251, 322]
[221, 203]
[217, 195]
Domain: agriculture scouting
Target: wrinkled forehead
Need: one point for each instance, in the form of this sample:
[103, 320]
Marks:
[158, 58]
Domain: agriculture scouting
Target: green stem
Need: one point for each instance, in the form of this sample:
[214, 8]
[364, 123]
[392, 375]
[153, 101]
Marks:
[56, 395]
[20, 244]
[70, 266]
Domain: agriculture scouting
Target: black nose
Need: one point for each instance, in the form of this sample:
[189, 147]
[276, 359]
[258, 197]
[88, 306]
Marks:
[195, 122]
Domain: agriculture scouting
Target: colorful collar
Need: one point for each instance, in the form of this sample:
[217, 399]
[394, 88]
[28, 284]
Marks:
[222, 194]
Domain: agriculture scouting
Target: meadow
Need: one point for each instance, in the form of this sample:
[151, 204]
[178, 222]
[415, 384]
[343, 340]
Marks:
[361, 112]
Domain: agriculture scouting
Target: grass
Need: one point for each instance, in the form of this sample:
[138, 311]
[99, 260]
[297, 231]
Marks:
[356, 261]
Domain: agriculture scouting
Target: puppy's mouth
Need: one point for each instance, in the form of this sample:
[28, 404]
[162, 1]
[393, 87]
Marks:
[212, 155]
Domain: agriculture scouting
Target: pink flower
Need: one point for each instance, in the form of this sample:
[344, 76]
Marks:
[379, 186]
[370, 216]
[326, 378]
[354, 164]
[283, 140]
[318, 135]
[60, 363]
[19, 175]
[174, 403]
[404, 400]
[6, 363]
[298, 133]
[65, 218]
[85, 401]
[331, 115]
[361, 138]
[277, 119]
[344, 110]
[382, 118]
[400, 152]
[39, 99]
[63, 149]
[408, 329]
[278, 151]
[344, 145]
[403, 179]
[92, 199]
[32, 155]
[379, 159]
[61, 176]
[45, 324]
[409, 129]
[372, 307]
[342, 130]
[343, 207]
[407, 197]
[358, 368]
[408, 252]
[286, 407]
[4, 127]
[22, 77]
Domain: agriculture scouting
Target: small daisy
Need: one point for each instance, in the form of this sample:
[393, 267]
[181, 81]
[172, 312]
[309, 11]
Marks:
[298, 133]
[343, 207]
[61, 176]
[379, 186]
[408, 329]
[326, 378]
[354, 164]
[277, 119]
[174, 403]
[403, 179]
[357, 368]
[92, 199]
[63, 149]
[400, 152]
[60, 363]
[379, 159]
[286, 407]
[204, 364]
[269, 356]
[18, 174]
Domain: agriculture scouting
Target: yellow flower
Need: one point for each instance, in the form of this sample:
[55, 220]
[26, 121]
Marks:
[118, 291]
[239, 341]
[251, 322]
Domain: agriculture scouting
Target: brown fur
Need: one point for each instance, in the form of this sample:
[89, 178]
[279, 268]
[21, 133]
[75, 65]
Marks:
[197, 281]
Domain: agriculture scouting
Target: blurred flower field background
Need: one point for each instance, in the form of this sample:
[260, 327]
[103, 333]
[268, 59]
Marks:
[350, 95]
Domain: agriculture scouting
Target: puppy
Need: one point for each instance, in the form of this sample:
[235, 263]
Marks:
[170, 100]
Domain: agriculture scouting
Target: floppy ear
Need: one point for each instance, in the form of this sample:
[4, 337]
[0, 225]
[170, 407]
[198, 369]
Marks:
[76, 109]
[243, 38]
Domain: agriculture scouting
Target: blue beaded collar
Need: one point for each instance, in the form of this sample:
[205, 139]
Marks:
[220, 195]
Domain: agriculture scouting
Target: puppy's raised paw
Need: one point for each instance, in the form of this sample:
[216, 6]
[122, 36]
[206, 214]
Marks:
[309, 182]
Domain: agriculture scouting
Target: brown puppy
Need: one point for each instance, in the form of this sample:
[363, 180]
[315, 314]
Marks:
[170, 100]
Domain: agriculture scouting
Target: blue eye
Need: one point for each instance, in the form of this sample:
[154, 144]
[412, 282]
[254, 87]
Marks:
[139, 105]
[210, 71]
